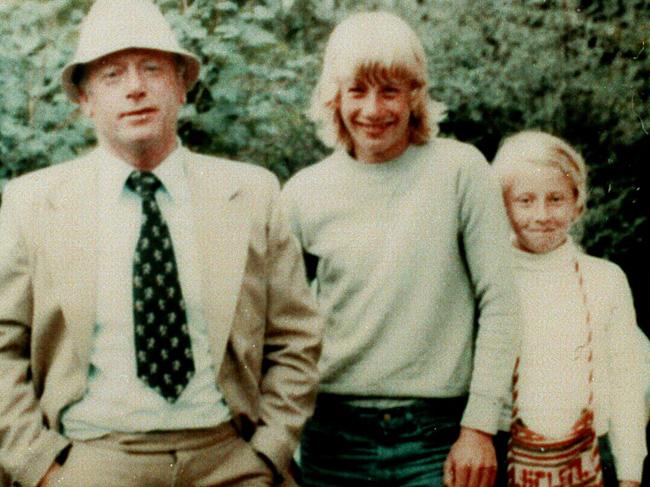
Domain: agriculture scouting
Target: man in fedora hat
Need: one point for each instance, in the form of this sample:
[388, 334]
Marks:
[156, 328]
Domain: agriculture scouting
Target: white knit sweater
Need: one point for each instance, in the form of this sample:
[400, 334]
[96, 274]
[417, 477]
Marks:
[553, 373]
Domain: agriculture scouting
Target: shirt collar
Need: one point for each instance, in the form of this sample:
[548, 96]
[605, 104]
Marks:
[114, 172]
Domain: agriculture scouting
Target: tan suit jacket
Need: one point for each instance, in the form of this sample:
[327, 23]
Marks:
[264, 329]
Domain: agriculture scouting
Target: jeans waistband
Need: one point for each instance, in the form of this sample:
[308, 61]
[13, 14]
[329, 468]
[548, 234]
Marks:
[342, 405]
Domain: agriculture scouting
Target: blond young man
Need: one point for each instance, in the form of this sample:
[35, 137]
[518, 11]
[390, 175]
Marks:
[406, 237]
[155, 324]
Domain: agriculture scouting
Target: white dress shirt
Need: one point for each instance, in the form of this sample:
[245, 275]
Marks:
[116, 399]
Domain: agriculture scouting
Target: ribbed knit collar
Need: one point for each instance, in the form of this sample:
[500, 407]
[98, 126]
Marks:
[389, 167]
[562, 257]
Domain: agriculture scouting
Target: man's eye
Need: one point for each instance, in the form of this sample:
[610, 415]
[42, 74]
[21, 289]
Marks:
[110, 74]
[151, 67]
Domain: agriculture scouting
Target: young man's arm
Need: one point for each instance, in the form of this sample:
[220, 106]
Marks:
[485, 233]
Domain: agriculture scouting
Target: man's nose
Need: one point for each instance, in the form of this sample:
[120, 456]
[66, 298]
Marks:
[136, 84]
[372, 105]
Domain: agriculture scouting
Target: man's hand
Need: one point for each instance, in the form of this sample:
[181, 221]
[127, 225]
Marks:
[50, 476]
[472, 461]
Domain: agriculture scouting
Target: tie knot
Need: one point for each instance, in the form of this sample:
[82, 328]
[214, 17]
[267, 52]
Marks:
[144, 183]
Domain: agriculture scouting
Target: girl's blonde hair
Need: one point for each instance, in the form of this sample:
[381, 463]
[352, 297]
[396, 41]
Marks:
[373, 46]
[542, 149]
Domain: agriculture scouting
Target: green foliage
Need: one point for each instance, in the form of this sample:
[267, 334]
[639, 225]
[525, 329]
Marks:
[577, 68]
[36, 123]
[255, 83]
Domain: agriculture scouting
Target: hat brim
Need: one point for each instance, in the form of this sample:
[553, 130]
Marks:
[71, 87]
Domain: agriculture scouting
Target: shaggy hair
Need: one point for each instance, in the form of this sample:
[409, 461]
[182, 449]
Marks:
[373, 47]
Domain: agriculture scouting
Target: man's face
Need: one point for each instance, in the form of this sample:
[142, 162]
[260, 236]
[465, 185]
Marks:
[376, 114]
[133, 97]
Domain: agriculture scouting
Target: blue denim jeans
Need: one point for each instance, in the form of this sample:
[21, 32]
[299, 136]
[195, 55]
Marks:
[406, 446]
[606, 460]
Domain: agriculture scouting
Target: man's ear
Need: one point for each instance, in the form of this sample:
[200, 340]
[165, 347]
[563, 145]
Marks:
[84, 104]
[181, 82]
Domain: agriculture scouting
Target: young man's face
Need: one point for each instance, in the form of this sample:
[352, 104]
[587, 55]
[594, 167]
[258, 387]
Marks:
[541, 205]
[133, 97]
[376, 114]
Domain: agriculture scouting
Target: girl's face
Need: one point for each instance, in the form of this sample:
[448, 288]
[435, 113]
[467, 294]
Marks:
[541, 205]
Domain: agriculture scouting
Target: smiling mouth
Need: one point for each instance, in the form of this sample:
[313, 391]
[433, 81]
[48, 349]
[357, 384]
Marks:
[375, 126]
[374, 130]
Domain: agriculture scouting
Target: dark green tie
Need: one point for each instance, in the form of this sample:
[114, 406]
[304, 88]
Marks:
[163, 348]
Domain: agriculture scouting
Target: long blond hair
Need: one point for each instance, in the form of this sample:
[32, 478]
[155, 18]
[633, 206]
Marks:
[379, 46]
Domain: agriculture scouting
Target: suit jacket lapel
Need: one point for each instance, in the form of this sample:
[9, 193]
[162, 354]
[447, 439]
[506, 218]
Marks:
[222, 227]
[72, 248]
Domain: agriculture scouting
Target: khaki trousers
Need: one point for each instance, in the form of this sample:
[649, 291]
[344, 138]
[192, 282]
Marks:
[190, 458]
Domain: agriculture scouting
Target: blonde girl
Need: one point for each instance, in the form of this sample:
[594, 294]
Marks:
[567, 295]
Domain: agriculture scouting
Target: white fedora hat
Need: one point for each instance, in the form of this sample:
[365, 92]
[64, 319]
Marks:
[115, 25]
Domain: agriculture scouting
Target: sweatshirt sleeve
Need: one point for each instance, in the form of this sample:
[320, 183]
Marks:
[485, 238]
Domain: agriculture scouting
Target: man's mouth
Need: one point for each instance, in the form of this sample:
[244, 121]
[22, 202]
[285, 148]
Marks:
[375, 129]
[143, 112]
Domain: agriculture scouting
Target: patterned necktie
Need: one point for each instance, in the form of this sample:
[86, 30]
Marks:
[162, 342]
